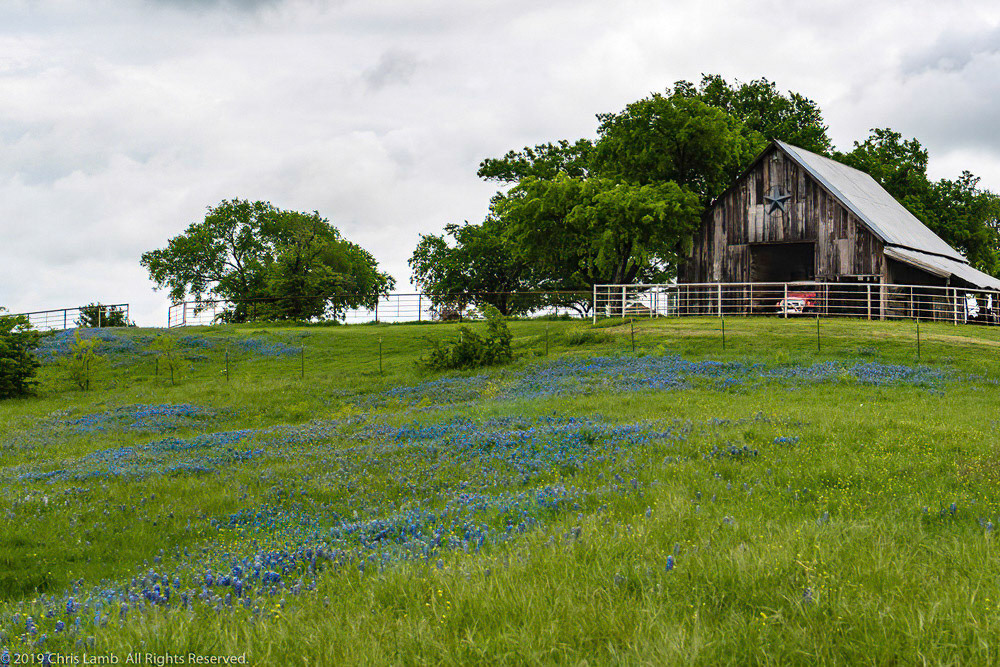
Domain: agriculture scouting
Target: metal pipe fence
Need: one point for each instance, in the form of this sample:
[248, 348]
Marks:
[872, 301]
[401, 307]
[70, 318]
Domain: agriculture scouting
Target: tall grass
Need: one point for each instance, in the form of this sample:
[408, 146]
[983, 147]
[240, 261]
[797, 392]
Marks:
[769, 503]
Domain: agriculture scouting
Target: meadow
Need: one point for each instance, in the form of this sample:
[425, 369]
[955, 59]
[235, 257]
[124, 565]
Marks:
[310, 495]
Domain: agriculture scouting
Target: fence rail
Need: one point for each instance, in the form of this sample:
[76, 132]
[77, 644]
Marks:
[70, 318]
[402, 307]
[859, 300]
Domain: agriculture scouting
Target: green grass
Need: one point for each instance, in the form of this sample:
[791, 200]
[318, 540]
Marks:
[808, 512]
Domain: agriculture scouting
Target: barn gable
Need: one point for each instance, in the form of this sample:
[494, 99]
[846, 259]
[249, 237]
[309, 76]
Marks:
[794, 215]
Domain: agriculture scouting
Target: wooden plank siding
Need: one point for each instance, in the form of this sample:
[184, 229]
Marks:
[844, 246]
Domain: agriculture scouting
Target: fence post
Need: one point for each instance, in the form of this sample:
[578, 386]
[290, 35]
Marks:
[99, 311]
[869, 300]
[420, 299]
[954, 306]
[595, 304]
[784, 303]
[624, 299]
[720, 299]
[65, 318]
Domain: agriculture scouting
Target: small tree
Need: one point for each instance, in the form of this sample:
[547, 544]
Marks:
[17, 356]
[83, 361]
[167, 351]
[472, 350]
[95, 315]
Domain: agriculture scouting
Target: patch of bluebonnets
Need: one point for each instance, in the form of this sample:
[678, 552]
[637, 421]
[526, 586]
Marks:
[172, 455]
[140, 418]
[652, 372]
[264, 556]
[162, 418]
[267, 348]
[285, 550]
[57, 344]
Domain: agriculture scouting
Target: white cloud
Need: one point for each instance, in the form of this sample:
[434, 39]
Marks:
[120, 122]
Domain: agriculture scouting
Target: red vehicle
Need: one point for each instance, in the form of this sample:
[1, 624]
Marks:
[797, 303]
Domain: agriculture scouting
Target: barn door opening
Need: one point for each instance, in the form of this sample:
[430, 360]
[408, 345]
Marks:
[782, 262]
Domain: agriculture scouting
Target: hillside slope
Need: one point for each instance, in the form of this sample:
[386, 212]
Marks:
[600, 499]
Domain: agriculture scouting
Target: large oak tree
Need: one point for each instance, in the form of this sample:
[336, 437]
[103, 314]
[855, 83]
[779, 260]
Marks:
[267, 263]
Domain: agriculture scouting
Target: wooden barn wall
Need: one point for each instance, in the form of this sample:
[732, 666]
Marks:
[721, 249]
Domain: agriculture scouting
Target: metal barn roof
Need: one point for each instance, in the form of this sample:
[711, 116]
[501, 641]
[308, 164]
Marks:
[942, 266]
[869, 201]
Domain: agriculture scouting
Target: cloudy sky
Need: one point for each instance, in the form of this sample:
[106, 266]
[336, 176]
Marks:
[122, 120]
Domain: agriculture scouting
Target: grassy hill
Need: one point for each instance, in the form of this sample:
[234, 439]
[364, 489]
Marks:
[610, 497]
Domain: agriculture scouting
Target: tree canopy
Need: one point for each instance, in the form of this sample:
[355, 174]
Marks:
[475, 267]
[674, 139]
[267, 263]
[764, 112]
[580, 232]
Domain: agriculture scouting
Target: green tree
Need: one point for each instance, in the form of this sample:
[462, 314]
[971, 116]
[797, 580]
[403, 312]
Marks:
[317, 273]
[267, 262]
[764, 112]
[95, 315]
[168, 356]
[542, 161]
[83, 361]
[615, 210]
[18, 363]
[580, 232]
[477, 265]
[675, 139]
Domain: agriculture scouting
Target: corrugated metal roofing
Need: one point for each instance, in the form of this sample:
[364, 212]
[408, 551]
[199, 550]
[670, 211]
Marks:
[944, 267]
[869, 201]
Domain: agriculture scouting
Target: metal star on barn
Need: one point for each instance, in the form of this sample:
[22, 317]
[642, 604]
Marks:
[776, 200]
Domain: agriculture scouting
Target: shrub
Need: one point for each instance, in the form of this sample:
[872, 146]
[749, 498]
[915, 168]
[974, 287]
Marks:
[167, 352]
[17, 356]
[82, 361]
[95, 315]
[472, 350]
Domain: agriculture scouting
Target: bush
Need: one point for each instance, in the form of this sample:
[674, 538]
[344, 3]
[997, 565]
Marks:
[168, 354]
[17, 356]
[471, 350]
[82, 361]
[95, 315]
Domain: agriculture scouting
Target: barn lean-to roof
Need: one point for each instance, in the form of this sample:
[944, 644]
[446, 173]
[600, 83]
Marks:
[906, 238]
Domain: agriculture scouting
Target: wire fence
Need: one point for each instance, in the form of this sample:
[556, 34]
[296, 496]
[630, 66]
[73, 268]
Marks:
[100, 315]
[400, 307]
[872, 301]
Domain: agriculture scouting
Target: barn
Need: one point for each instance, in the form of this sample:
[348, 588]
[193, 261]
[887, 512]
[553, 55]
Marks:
[797, 217]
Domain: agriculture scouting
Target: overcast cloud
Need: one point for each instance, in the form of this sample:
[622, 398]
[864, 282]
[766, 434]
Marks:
[122, 120]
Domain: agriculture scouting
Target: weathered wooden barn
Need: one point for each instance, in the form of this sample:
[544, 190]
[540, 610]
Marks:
[797, 216]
